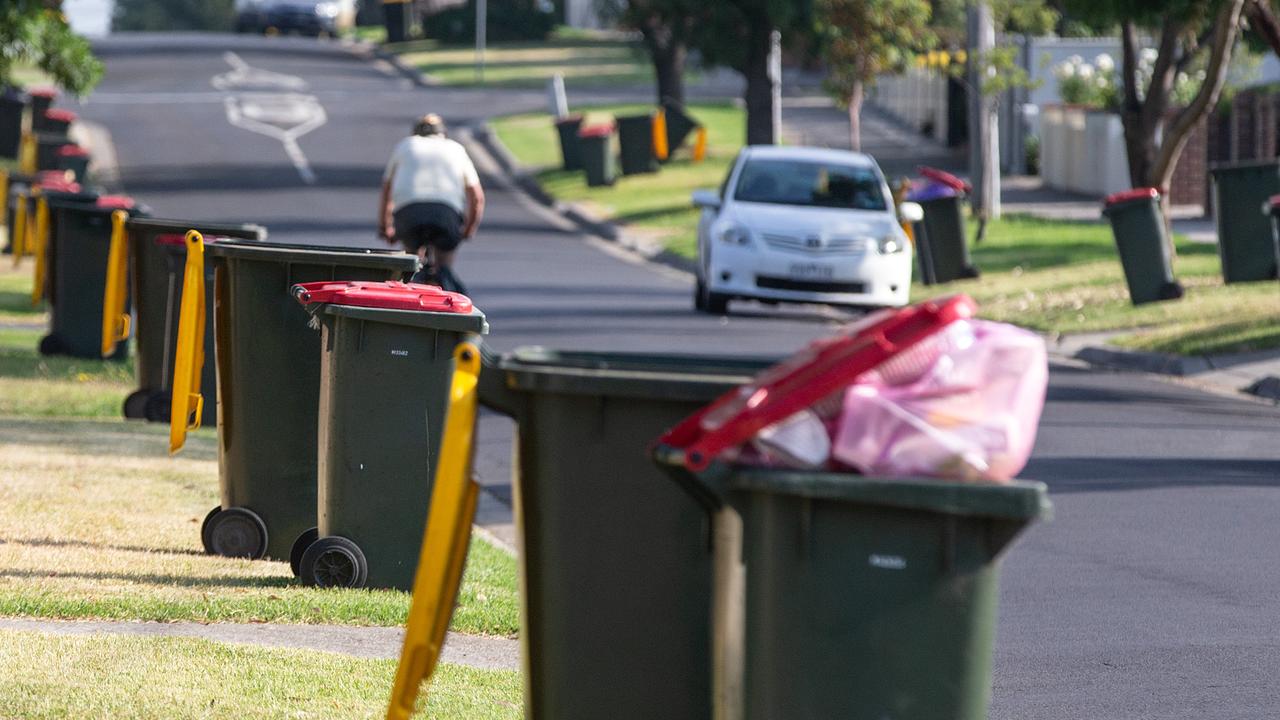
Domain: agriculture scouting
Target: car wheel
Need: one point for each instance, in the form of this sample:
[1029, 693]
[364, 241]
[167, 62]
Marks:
[717, 303]
[700, 296]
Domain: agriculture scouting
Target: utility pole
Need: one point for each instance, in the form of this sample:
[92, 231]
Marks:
[482, 32]
[984, 129]
[775, 80]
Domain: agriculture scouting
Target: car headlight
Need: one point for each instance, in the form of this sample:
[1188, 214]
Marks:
[734, 235]
[329, 9]
[890, 245]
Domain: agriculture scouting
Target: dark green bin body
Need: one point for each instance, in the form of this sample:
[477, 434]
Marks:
[156, 272]
[859, 598]
[1142, 241]
[570, 148]
[941, 246]
[268, 362]
[12, 111]
[47, 147]
[616, 561]
[635, 140]
[597, 159]
[76, 277]
[77, 164]
[384, 393]
[1245, 243]
[396, 21]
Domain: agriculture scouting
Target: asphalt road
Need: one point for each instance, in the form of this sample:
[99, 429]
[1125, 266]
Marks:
[1152, 594]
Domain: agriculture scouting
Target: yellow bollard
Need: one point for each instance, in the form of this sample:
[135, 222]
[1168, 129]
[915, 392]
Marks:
[18, 232]
[188, 404]
[660, 149]
[444, 543]
[115, 321]
[38, 246]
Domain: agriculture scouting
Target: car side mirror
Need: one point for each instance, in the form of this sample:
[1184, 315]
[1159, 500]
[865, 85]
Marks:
[909, 212]
[706, 199]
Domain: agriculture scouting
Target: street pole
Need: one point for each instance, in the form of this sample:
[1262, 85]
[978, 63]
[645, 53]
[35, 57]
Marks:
[482, 31]
[775, 79]
[984, 130]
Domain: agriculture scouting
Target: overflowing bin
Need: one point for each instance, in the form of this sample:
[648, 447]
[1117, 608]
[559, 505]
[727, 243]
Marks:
[388, 363]
[1244, 235]
[941, 246]
[268, 368]
[596, 145]
[150, 254]
[636, 135]
[570, 149]
[608, 548]
[839, 595]
[1142, 239]
[76, 255]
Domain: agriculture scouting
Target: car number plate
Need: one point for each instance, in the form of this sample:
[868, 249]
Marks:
[811, 271]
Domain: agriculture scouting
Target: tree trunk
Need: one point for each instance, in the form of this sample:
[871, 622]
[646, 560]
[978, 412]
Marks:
[668, 55]
[855, 117]
[1264, 22]
[759, 92]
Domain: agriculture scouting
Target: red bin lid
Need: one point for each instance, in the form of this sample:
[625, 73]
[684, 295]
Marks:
[945, 178]
[60, 115]
[116, 202]
[72, 150]
[389, 295]
[56, 181]
[1143, 193]
[603, 130]
[43, 92]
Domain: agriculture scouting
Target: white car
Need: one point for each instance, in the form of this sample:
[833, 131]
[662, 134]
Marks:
[800, 224]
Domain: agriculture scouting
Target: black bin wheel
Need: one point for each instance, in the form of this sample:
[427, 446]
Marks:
[204, 529]
[52, 345]
[334, 562]
[135, 405]
[237, 532]
[300, 546]
[158, 407]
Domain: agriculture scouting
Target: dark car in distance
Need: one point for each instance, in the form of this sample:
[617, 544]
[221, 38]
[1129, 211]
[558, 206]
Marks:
[305, 17]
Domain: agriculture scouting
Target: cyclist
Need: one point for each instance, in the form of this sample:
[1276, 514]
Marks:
[431, 200]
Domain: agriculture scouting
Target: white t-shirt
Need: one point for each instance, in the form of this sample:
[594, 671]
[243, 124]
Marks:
[430, 169]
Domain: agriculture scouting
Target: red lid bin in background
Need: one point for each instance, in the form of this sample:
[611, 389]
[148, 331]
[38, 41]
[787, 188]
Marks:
[389, 295]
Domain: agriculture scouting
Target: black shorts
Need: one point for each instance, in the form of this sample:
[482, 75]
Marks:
[428, 223]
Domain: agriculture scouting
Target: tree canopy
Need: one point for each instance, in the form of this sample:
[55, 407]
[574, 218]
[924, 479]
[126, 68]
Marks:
[35, 32]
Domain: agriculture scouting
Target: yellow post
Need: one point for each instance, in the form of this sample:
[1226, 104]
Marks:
[27, 153]
[660, 149]
[188, 404]
[445, 541]
[19, 230]
[115, 321]
[37, 245]
[700, 145]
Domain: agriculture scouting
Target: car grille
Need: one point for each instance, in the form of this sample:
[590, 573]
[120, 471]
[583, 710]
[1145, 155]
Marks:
[812, 244]
[820, 286]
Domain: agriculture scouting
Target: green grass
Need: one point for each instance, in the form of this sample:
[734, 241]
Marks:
[56, 386]
[583, 61]
[118, 677]
[96, 521]
[656, 204]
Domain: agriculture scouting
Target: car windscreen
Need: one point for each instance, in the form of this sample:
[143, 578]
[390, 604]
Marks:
[808, 182]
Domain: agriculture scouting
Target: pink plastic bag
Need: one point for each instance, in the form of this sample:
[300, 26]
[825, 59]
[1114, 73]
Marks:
[964, 404]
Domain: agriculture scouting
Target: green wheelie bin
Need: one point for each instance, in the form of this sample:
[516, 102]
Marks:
[595, 142]
[386, 370]
[13, 109]
[853, 597]
[1244, 235]
[268, 366]
[153, 257]
[1142, 239]
[1272, 210]
[941, 246]
[570, 149]
[616, 562]
[76, 256]
[635, 141]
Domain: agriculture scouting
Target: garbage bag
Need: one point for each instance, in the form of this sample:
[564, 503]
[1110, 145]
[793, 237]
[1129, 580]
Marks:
[963, 404]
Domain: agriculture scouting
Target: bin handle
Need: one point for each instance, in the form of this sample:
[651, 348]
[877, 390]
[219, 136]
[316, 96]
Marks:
[188, 361]
[4, 195]
[700, 144]
[115, 321]
[19, 229]
[37, 245]
[445, 540]
[27, 155]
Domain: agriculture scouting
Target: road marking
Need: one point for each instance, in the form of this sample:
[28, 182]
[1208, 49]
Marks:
[242, 74]
[284, 116]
